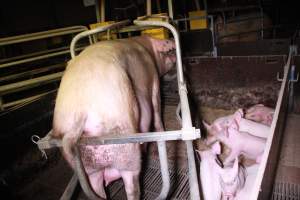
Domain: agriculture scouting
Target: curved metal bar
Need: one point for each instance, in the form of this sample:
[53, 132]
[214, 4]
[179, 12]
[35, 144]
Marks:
[162, 151]
[94, 31]
[185, 110]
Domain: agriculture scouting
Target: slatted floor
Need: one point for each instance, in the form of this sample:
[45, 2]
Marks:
[151, 184]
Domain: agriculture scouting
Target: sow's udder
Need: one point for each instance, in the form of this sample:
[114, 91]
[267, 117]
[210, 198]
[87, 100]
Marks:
[121, 155]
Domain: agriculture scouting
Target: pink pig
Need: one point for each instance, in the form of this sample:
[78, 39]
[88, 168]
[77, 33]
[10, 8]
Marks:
[232, 179]
[237, 121]
[239, 142]
[111, 87]
[209, 177]
[260, 113]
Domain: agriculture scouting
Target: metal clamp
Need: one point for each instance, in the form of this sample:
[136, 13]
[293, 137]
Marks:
[190, 133]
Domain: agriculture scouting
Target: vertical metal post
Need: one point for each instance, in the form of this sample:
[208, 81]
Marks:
[102, 7]
[149, 8]
[197, 4]
[170, 9]
[163, 159]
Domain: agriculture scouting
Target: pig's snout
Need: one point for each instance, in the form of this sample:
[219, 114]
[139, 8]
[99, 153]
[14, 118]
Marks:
[228, 196]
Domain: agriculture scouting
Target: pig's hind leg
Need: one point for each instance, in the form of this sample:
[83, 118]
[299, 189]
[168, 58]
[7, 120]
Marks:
[158, 125]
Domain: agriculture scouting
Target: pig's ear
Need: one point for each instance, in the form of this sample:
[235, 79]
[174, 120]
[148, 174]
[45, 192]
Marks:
[206, 125]
[216, 148]
[238, 115]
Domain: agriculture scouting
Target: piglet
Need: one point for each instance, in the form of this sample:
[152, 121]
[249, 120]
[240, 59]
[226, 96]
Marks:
[260, 113]
[232, 179]
[237, 121]
[239, 142]
[209, 177]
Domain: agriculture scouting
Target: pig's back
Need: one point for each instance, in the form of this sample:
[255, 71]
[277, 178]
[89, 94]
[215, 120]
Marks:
[96, 86]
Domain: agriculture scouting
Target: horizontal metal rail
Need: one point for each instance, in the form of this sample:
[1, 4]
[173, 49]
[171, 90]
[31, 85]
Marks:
[41, 35]
[34, 54]
[48, 142]
[50, 55]
[21, 102]
[33, 72]
[22, 85]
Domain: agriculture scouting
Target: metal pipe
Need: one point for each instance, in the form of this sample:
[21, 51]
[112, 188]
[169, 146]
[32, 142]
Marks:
[25, 100]
[67, 195]
[48, 142]
[22, 85]
[170, 9]
[149, 8]
[94, 31]
[41, 35]
[50, 55]
[23, 56]
[32, 72]
[197, 4]
[102, 18]
[163, 159]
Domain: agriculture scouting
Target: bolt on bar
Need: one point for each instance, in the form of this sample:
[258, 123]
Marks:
[185, 110]
[94, 31]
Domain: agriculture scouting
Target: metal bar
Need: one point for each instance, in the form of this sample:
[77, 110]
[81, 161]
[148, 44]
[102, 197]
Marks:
[67, 195]
[50, 55]
[149, 8]
[93, 31]
[170, 9]
[197, 4]
[41, 35]
[25, 100]
[262, 167]
[31, 72]
[185, 110]
[22, 85]
[5, 60]
[48, 142]
[163, 158]
[102, 7]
